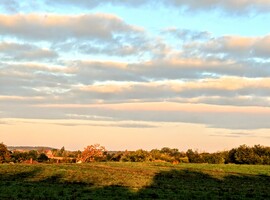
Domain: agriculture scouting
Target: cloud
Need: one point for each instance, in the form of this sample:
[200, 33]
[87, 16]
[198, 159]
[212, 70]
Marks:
[121, 46]
[233, 47]
[96, 33]
[225, 99]
[95, 3]
[186, 34]
[3, 122]
[15, 6]
[212, 91]
[230, 6]
[52, 27]
[235, 134]
[89, 72]
[227, 6]
[225, 71]
[17, 51]
[224, 117]
[97, 81]
[177, 67]
[28, 79]
[10, 5]
[139, 45]
[118, 124]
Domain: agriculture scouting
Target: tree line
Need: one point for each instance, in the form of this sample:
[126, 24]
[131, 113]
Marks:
[243, 154]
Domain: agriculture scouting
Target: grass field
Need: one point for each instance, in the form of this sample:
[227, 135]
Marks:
[134, 181]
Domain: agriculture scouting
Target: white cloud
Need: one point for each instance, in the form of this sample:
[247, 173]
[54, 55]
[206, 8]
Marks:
[52, 27]
[18, 51]
[236, 47]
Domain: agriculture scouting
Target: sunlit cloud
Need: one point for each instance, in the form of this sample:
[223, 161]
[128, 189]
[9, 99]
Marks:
[16, 51]
[233, 47]
[62, 27]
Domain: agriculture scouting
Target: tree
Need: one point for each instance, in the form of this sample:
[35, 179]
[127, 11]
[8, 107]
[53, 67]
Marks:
[115, 156]
[62, 151]
[93, 153]
[213, 158]
[194, 156]
[171, 152]
[4, 153]
[32, 155]
[155, 154]
[246, 155]
[136, 156]
[42, 157]
[18, 156]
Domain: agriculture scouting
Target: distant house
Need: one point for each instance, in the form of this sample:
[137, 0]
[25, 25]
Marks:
[56, 159]
[49, 154]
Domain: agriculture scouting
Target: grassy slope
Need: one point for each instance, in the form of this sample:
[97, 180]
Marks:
[134, 181]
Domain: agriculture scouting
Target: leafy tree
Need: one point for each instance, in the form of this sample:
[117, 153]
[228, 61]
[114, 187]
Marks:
[173, 155]
[263, 153]
[32, 155]
[194, 156]
[171, 152]
[142, 156]
[4, 153]
[115, 156]
[242, 155]
[213, 158]
[136, 156]
[93, 153]
[42, 157]
[231, 156]
[127, 156]
[259, 150]
[155, 154]
[18, 156]
[249, 155]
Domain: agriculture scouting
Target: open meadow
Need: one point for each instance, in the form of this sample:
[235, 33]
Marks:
[118, 180]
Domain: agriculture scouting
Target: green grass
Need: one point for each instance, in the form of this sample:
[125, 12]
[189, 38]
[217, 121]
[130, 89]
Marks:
[134, 181]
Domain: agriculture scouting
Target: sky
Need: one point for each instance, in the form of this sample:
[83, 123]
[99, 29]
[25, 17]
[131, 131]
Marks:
[135, 74]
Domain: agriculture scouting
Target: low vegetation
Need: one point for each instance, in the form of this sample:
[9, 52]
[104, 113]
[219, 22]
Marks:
[141, 180]
[157, 174]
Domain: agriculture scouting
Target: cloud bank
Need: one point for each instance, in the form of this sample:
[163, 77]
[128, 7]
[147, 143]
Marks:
[76, 66]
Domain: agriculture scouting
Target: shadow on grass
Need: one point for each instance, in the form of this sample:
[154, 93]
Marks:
[174, 184]
[188, 184]
[19, 176]
[20, 186]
